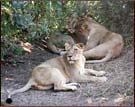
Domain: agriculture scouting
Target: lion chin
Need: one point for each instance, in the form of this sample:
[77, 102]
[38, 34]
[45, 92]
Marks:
[71, 62]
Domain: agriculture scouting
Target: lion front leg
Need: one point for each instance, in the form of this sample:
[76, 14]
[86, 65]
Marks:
[88, 78]
[54, 48]
[94, 72]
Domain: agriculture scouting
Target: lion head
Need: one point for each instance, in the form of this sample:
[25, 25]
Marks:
[73, 52]
[82, 28]
[80, 25]
[73, 20]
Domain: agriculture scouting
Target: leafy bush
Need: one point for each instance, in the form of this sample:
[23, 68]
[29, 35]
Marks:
[32, 20]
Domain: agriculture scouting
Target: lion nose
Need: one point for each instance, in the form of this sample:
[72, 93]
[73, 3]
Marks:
[69, 56]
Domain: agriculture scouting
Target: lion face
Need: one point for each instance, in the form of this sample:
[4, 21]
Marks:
[82, 28]
[74, 52]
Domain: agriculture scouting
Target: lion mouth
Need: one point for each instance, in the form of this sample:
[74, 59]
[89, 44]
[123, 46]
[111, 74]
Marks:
[71, 62]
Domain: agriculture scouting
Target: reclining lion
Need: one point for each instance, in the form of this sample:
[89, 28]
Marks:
[62, 73]
[56, 42]
[101, 45]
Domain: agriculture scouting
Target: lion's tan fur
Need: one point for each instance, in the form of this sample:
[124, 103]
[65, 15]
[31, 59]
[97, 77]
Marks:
[56, 42]
[57, 72]
[102, 44]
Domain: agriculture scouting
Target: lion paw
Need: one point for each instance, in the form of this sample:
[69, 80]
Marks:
[73, 88]
[74, 84]
[103, 79]
[101, 73]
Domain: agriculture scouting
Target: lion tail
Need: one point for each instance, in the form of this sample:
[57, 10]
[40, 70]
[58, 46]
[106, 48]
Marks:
[23, 89]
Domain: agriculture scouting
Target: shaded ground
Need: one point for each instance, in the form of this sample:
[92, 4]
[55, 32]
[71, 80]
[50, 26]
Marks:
[118, 90]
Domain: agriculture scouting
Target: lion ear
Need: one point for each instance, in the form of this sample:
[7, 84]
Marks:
[67, 46]
[81, 45]
[85, 26]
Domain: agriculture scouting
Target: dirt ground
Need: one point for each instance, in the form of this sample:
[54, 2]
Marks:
[118, 90]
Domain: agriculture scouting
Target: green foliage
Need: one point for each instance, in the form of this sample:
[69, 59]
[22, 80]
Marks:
[31, 20]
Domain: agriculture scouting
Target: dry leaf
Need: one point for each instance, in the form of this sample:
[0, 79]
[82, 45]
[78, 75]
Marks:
[26, 46]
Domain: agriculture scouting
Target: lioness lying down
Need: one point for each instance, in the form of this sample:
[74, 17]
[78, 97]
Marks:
[102, 44]
[62, 73]
[56, 42]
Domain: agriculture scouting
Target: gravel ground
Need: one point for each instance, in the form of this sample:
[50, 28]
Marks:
[118, 90]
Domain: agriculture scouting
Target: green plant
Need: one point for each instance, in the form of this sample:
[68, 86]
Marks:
[28, 21]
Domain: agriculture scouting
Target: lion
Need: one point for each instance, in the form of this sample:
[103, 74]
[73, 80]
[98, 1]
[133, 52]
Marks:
[56, 42]
[101, 44]
[62, 73]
